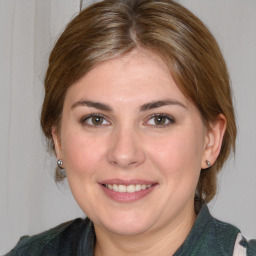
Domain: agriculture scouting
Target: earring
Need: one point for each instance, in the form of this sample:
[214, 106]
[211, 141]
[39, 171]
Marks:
[208, 163]
[59, 163]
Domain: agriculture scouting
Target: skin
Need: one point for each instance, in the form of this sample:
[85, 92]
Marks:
[129, 144]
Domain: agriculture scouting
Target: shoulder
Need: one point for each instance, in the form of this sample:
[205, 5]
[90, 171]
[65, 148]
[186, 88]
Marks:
[251, 247]
[225, 236]
[226, 232]
[213, 235]
[241, 246]
[51, 240]
[244, 246]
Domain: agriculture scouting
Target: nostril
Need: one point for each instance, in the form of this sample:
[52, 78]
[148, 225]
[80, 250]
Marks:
[133, 163]
[113, 162]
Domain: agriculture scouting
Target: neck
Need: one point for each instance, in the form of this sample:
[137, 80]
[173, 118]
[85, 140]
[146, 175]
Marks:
[164, 241]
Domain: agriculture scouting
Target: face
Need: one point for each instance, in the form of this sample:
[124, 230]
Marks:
[132, 145]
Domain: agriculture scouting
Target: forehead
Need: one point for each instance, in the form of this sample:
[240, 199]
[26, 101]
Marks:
[138, 75]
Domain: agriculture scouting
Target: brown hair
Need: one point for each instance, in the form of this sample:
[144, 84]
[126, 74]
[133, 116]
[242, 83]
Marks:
[114, 27]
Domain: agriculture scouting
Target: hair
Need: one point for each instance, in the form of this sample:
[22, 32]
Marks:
[112, 28]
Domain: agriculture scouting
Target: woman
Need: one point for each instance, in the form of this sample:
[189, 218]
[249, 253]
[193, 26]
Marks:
[138, 111]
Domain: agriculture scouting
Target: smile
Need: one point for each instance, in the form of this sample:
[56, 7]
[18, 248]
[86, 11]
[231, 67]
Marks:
[127, 191]
[130, 188]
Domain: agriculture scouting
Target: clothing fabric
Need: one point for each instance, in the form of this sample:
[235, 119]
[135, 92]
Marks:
[208, 237]
[239, 249]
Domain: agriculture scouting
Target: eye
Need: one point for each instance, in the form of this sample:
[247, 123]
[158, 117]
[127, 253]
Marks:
[160, 120]
[95, 120]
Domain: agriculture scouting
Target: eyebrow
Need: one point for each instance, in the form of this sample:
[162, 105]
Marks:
[144, 107]
[92, 104]
[160, 103]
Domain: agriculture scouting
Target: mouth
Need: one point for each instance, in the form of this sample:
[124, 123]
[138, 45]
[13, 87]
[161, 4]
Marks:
[127, 191]
[121, 188]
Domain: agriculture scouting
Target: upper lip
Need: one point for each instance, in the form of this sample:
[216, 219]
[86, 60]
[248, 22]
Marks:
[127, 182]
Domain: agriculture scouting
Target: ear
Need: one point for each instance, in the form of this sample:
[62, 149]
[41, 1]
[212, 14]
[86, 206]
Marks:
[56, 141]
[213, 141]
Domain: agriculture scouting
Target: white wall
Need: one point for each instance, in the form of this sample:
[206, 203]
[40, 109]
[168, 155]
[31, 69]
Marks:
[30, 201]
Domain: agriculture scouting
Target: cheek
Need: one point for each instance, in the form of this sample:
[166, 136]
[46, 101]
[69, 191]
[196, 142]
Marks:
[81, 153]
[179, 156]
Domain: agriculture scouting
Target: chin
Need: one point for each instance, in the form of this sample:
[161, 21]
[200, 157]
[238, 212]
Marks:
[128, 229]
[127, 225]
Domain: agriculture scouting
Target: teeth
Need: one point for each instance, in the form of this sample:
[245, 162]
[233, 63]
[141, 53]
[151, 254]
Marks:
[121, 188]
[138, 187]
[115, 187]
[130, 188]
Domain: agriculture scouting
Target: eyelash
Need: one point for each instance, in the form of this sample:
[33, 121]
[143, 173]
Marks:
[85, 119]
[168, 118]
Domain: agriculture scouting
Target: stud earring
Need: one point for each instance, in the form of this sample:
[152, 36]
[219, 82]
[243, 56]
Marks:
[59, 163]
[208, 163]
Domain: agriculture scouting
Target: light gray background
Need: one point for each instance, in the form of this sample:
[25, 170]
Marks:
[30, 201]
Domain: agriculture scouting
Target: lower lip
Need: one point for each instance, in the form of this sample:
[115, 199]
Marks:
[127, 197]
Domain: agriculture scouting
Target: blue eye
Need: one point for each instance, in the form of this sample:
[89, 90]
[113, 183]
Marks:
[95, 120]
[160, 120]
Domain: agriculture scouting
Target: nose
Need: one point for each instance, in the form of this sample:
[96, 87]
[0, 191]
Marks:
[125, 149]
